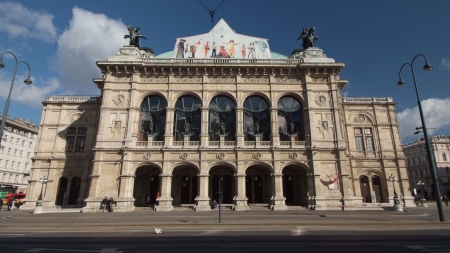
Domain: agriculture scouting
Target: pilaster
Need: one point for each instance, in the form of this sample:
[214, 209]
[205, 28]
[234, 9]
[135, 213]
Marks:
[240, 200]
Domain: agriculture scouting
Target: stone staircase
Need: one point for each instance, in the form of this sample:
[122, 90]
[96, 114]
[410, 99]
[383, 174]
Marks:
[258, 206]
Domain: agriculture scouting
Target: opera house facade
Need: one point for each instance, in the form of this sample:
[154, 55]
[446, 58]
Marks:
[221, 114]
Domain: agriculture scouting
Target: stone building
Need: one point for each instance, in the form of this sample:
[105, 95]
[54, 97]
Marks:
[272, 131]
[17, 148]
[418, 166]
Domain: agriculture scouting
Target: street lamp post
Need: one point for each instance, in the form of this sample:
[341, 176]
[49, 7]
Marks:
[425, 132]
[423, 201]
[40, 201]
[397, 204]
[27, 82]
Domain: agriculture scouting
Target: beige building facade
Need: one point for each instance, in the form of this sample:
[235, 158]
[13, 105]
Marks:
[264, 130]
[418, 165]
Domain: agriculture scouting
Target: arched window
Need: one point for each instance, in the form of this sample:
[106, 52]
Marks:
[444, 156]
[256, 119]
[153, 117]
[222, 118]
[187, 118]
[290, 118]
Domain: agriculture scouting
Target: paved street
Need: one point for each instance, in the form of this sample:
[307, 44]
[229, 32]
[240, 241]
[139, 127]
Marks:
[415, 230]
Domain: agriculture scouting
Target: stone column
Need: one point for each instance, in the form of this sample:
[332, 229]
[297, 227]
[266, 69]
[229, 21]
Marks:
[274, 127]
[204, 137]
[125, 200]
[168, 135]
[278, 201]
[203, 198]
[165, 201]
[239, 126]
[240, 200]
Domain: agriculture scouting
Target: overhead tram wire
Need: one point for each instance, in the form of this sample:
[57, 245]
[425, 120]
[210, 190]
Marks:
[211, 13]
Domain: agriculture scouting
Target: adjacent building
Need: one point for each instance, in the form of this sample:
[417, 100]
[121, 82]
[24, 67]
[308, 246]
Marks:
[219, 113]
[418, 165]
[16, 150]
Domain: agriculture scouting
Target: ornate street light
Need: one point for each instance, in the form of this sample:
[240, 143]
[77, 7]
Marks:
[392, 178]
[425, 133]
[27, 82]
[423, 201]
[43, 180]
[40, 201]
[397, 204]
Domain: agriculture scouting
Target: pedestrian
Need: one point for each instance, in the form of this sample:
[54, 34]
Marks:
[214, 204]
[9, 204]
[147, 199]
[445, 198]
[157, 199]
[1, 204]
[110, 204]
[104, 203]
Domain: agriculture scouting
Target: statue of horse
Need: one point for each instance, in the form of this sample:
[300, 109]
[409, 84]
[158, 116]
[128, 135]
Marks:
[134, 36]
[308, 37]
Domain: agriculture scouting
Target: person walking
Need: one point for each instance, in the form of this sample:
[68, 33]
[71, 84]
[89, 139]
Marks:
[104, 204]
[156, 200]
[1, 204]
[110, 205]
[147, 199]
[9, 204]
[445, 199]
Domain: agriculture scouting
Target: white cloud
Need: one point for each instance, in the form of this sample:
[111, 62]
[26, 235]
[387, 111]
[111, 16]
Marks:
[18, 21]
[445, 64]
[31, 95]
[436, 112]
[345, 92]
[90, 37]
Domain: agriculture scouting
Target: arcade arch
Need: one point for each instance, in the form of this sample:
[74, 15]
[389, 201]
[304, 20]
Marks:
[146, 181]
[258, 184]
[295, 185]
[184, 185]
[224, 175]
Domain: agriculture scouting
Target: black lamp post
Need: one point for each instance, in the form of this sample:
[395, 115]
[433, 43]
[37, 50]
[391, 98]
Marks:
[397, 203]
[392, 178]
[425, 133]
[423, 201]
[43, 181]
[27, 82]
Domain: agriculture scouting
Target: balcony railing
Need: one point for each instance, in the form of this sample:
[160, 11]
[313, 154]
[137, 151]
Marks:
[229, 144]
[177, 61]
[76, 99]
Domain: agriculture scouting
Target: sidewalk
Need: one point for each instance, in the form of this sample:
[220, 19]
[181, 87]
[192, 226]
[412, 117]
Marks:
[191, 220]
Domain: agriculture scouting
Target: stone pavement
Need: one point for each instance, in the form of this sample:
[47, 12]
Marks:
[187, 219]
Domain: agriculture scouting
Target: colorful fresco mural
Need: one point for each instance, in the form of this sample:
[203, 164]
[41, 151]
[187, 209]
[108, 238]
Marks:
[222, 42]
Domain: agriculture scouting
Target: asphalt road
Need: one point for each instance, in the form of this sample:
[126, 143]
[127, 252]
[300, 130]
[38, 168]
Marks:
[217, 241]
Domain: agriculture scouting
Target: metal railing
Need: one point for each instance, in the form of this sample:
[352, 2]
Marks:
[176, 61]
[76, 99]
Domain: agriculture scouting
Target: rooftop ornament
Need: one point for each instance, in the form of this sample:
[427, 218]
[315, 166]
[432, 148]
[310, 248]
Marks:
[134, 36]
[308, 38]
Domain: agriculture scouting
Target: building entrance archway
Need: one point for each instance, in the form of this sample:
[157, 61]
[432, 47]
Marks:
[295, 185]
[258, 185]
[365, 189]
[227, 184]
[184, 185]
[376, 185]
[146, 182]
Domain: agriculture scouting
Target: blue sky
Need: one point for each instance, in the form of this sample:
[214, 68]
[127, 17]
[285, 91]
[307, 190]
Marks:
[61, 40]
